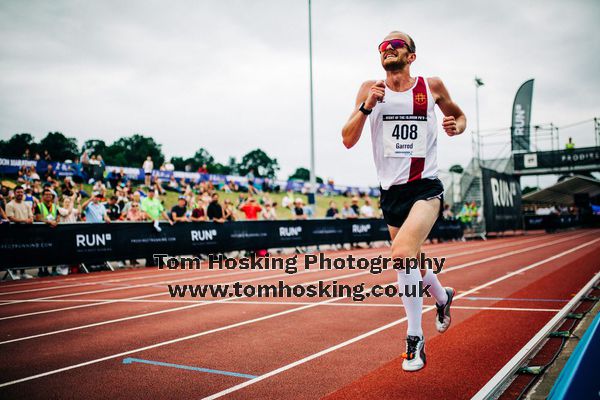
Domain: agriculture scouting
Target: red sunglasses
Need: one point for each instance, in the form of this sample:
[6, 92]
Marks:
[395, 43]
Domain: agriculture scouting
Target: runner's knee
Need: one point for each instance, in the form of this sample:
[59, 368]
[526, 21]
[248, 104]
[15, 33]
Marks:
[403, 250]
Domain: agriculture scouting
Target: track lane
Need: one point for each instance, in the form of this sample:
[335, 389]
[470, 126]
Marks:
[39, 325]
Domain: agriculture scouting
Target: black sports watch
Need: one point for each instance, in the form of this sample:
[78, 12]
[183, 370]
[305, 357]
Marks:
[363, 110]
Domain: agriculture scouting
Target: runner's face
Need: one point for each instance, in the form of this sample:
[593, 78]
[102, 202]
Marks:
[396, 59]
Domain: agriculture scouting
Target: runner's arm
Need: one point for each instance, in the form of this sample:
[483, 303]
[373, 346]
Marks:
[353, 129]
[455, 121]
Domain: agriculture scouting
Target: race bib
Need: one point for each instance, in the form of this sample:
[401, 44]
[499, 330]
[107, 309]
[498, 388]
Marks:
[404, 135]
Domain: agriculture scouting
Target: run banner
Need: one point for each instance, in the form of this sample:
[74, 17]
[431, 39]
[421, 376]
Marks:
[521, 118]
[501, 201]
[561, 160]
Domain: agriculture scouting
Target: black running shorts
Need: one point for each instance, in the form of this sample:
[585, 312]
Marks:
[397, 201]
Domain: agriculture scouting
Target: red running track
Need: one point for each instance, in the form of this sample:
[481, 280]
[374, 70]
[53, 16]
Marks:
[68, 337]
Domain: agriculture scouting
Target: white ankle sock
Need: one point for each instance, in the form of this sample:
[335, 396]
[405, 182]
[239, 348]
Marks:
[437, 290]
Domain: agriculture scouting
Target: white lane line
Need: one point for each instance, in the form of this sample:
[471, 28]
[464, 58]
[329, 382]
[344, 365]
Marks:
[103, 302]
[387, 326]
[169, 310]
[270, 316]
[156, 272]
[101, 323]
[296, 303]
[196, 305]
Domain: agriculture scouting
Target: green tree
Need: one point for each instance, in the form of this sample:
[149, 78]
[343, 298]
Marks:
[220, 169]
[456, 168]
[133, 150]
[95, 146]
[16, 145]
[259, 162]
[232, 166]
[178, 163]
[303, 174]
[202, 156]
[59, 146]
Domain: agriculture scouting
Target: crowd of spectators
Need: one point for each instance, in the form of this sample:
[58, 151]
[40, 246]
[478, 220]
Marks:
[114, 197]
[91, 195]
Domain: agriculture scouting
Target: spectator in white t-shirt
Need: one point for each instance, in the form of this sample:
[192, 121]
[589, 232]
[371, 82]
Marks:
[288, 199]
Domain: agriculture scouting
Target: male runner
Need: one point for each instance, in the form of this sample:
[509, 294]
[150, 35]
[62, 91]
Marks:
[404, 138]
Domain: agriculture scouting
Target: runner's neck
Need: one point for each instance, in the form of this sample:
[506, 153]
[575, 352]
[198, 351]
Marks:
[399, 81]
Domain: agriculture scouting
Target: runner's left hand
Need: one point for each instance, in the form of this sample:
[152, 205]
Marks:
[449, 125]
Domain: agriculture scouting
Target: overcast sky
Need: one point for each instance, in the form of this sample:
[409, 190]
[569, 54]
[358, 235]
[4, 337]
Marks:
[231, 76]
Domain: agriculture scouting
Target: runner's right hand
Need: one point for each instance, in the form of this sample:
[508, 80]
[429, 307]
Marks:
[376, 93]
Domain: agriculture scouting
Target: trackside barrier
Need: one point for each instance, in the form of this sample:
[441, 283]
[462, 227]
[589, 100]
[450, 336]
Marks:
[502, 379]
[39, 244]
[578, 379]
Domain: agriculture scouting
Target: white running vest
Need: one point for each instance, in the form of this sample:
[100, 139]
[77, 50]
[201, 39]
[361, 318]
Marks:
[404, 135]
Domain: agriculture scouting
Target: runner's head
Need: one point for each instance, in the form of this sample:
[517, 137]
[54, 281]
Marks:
[397, 51]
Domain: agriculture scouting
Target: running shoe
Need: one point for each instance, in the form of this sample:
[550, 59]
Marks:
[443, 320]
[414, 358]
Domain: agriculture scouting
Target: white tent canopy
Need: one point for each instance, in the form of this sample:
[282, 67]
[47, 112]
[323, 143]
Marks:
[563, 192]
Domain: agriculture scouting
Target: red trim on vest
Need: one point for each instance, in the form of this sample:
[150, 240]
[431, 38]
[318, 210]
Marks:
[417, 164]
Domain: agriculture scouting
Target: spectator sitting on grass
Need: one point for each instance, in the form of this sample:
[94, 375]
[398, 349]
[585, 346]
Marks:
[32, 175]
[67, 187]
[173, 185]
[157, 186]
[298, 210]
[99, 187]
[288, 199]
[122, 194]
[50, 175]
[21, 174]
[179, 210]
